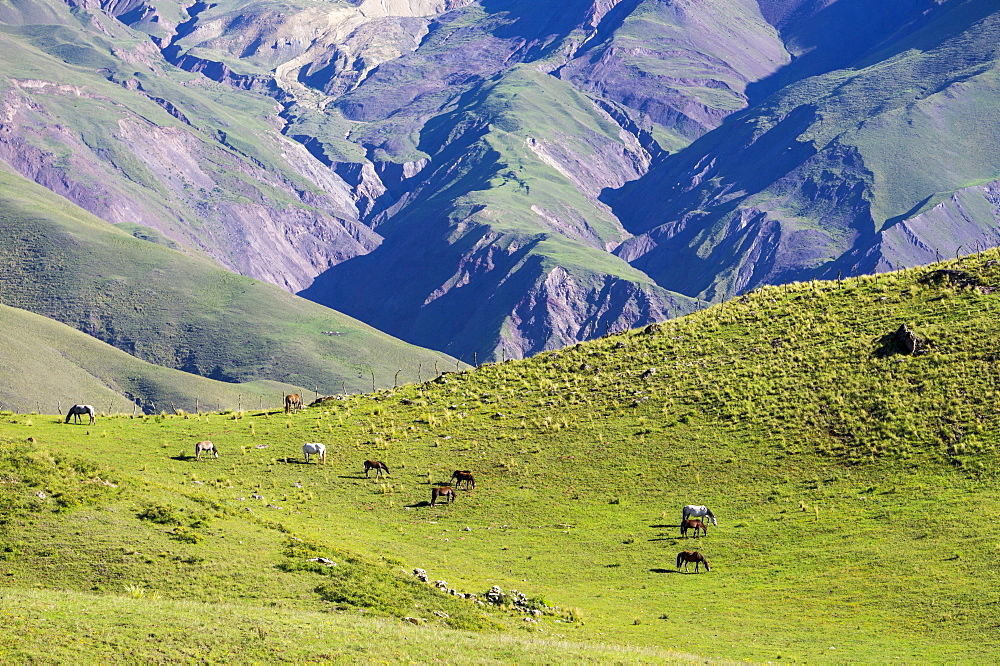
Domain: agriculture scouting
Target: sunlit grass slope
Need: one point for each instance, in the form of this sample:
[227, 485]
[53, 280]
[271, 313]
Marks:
[179, 311]
[854, 487]
[48, 366]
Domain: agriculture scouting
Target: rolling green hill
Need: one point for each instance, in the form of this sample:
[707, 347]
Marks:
[853, 484]
[48, 366]
[175, 310]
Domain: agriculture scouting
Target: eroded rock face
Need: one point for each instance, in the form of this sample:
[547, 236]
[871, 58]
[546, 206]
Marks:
[686, 73]
[173, 183]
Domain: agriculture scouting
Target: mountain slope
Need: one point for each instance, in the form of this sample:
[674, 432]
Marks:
[199, 154]
[498, 245]
[62, 367]
[493, 179]
[181, 312]
[821, 178]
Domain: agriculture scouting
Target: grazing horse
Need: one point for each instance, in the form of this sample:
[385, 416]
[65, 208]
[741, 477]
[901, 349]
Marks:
[293, 403]
[445, 492]
[314, 448]
[460, 475]
[692, 556]
[378, 466]
[205, 447]
[76, 410]
[695, 525]
[695, 511]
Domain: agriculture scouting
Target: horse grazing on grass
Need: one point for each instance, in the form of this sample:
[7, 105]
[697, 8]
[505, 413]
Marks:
[205, 447]
[463, 475]
[77, 410]
[314, 448]
[377, 465]
[447, 493]
[695, 525]
[695, 511]
[293, 403]
[692, 556]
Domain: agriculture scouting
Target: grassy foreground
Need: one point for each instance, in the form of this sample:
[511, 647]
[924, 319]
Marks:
[106, 627]
[854, 486]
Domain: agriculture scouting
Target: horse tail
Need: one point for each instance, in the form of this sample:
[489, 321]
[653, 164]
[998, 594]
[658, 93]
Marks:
[679, 557]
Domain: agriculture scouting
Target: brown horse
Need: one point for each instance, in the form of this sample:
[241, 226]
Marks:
[692, 556]
[460, 475]
[376, 465]
[447, 493]
[694, 524]
[293, 403]
[205, 447]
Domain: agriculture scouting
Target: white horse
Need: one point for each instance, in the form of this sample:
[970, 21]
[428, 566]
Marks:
[314, 448]
[77, 410]
[205, 447]
[695, 511]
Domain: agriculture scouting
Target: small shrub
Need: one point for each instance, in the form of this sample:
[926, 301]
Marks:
[184, 536]
[160, 514]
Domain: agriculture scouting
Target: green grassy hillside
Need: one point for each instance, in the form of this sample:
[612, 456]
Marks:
[48, 366]
[853, 484]
[179, 311]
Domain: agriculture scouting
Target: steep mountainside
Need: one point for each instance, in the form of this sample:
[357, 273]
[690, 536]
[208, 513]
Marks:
[177, 311]
[892, 163]
[493, 177]
[297, 134]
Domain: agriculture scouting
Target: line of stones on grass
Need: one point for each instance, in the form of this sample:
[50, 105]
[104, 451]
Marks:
[518, 601]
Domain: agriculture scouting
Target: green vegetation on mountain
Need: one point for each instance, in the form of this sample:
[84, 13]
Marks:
[853, 483]
[491, 179]
[822, 176]
[48, 367]
[175, 310]
[498, 201]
